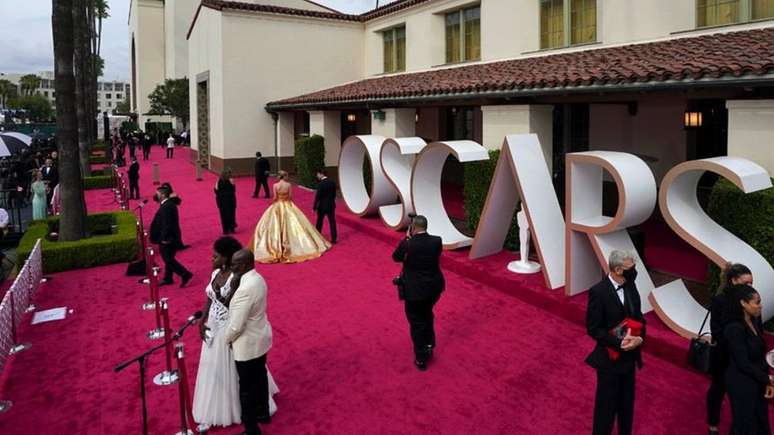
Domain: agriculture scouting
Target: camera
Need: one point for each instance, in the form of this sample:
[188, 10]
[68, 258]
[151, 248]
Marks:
[401, 286]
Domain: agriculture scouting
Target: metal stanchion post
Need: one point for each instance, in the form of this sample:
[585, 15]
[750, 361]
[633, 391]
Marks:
[152, 280]
[186, 417]
[149, 259]
[168, 376]
[31, 307]
[17, 347]
[158, 306]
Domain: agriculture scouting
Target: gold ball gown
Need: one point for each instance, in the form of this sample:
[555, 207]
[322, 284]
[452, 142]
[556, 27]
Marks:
[284, 234]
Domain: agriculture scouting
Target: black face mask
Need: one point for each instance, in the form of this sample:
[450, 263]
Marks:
[630, 274]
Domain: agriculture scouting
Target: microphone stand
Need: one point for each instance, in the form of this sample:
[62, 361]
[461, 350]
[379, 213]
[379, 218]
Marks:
[141, 359]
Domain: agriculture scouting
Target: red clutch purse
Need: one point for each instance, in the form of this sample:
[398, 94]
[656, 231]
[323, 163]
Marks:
[635, 329]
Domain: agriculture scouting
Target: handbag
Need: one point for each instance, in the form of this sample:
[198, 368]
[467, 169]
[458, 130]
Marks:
[700, 351]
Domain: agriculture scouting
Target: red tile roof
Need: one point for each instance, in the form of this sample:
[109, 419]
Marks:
[241, 6]
[333, 14]
[697, 60]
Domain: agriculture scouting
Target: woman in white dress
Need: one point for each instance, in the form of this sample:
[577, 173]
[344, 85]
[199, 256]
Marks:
[216, 396]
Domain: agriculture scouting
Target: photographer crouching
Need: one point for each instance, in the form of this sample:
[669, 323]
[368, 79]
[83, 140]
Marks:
[420, 285]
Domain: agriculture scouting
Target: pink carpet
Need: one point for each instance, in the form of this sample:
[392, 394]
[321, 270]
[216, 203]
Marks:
[509, 358]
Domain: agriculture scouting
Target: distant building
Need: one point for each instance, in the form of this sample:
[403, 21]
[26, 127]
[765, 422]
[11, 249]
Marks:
[109, 93]
[158, 51]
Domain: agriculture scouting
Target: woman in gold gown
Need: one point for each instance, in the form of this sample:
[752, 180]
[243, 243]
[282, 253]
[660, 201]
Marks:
[284, 234]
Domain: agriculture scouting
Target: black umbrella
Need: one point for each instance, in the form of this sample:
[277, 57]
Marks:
[14, 144]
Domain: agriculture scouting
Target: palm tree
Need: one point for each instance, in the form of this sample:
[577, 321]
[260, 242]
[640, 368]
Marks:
[72, 225]
[88, 68]
[82, 61]
[8, 90]
[29, 84]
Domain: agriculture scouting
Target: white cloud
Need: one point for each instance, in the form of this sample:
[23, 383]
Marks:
[26, 42]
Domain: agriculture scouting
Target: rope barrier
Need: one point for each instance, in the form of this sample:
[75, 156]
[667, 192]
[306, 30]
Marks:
[15, 304]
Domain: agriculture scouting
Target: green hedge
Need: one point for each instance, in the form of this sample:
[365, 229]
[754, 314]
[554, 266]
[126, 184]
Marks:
[309, 157]
[100, 146]
[99, 249]
[97, 182]
[95, 160]
[748, 216]
[478, 176]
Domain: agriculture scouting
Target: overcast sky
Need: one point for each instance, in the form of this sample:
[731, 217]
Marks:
[26, 45]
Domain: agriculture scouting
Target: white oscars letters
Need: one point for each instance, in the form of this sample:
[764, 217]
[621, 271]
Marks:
[397, 161]
[522, 172]
[681, 210]
[426, 187]
[573, 250]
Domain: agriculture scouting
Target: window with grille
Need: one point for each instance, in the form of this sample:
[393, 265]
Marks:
[463, 35]
[394, 49]
[723, 12]
[567, 22]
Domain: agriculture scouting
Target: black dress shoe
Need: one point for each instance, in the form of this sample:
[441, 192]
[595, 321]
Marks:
[185, 279]
[421, 365]
[166, 282]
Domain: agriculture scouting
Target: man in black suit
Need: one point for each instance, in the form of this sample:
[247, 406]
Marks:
[50, 174]
[165, 231]
[50, 177]
[612, 300]
[134, 179]
[325, 202]
[262, 169]
[146, 146]
[422, 283]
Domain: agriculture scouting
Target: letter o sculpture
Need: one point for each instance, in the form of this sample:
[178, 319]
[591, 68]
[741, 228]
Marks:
[397, 161]
[426, 187]
[352, 182]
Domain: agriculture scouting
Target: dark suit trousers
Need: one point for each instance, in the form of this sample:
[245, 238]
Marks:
[715, 395]
[227, 217]
[261, 182]
[253, 393]
[171, 265]
[331, 221]
[614, 398]
[134, 189]
[170, 153]
[421, 324]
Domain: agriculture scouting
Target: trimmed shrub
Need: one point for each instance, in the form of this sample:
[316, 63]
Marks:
[309, 157]
[748, 216]
[99, 159]
[100, 146]
[103, 247]
[97, 181]
[478, 176]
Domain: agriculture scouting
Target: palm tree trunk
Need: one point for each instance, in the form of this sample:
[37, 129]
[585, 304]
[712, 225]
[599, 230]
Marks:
[82, 80]
[72, 225]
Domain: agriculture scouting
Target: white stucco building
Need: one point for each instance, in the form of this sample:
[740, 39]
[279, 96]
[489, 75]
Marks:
[109, 93]
[157, 49]
[590, 74]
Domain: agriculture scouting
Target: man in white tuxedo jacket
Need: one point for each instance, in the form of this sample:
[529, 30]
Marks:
[249, 335]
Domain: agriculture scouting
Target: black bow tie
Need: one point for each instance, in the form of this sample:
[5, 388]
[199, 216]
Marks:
[620, 287]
